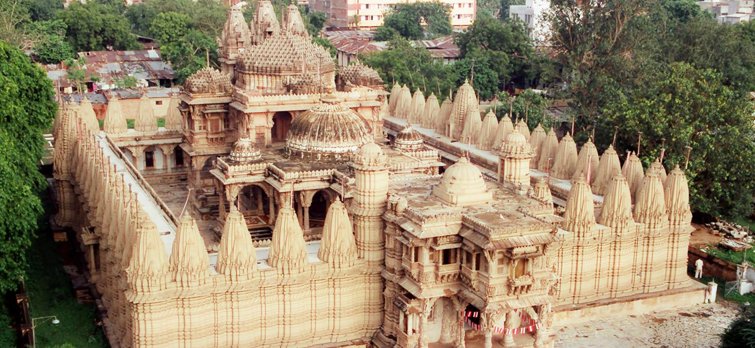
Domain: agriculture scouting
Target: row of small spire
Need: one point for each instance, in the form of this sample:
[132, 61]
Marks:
[115, 122]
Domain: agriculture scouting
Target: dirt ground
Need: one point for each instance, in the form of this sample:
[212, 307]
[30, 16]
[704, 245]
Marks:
[702, 236]
[695, 327]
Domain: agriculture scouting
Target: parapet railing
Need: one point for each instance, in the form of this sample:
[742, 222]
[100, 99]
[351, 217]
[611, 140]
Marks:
[140, 179]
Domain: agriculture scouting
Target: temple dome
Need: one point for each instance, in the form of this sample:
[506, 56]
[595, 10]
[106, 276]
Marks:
[244, 151]
[327, 130]
[462, 184]
[208, 80]
[408, 139]
[286, 54]
[370, 155]
[358, 74]
[516, 144]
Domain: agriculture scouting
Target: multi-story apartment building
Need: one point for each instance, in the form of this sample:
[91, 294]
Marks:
[729, 11]
[369, 14]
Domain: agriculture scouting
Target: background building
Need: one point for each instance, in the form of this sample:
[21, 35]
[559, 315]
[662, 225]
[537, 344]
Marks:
[369, 14]
[731, 11]
[531, 13]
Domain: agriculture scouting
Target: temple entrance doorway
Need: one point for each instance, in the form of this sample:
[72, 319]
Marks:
[281, 123]
[254, 204]
[178, 154]
[318, 209]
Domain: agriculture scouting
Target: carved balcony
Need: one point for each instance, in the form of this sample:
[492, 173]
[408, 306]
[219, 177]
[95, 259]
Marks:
[447, 273]
[520, 285]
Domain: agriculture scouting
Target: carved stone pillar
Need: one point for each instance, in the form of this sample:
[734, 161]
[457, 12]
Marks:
[422, 342]
[271, 208]
[541, 337]
[489, 337]
[459, 307]
[305, 198]
[138, 153]
[508, 338]
[168, 157]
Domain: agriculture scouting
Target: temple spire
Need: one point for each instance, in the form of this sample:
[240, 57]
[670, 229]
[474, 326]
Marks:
[288, 251]
[148, 266]
[488, 131]
[650, 206]
[566, 158]
[338, 247]
[86, 112]
[634, 173]
[547, 152]
[608, 167]
[677, 198]
[579, 216]
[237, 258]
[504, 128]
[145, 120]
[188, 260]
[115, 123]
[587, 159]
[617, 205]
[173, 119]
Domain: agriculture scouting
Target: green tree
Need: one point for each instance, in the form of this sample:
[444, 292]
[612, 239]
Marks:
[93, 26]
[43, 10]
[169, 26]
[315, 21]
[684, 35]
[488, 71]
[741, 332]
[12, 17]
[206, 16]
[528, 105]
[28, 110]
[685, 106]
[327, 44]
[76, 73]
[406, 20]
[50, 46]
[596, 45]
[413, 66]
[500, 48]
[189, 54]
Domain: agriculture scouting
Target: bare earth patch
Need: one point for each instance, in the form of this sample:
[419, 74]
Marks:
[696, 327]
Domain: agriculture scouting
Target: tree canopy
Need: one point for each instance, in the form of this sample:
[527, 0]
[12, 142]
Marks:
[670, 71]
[28, 110]
[502, 50]
[94, 26]
[406, 20]
[413, 66]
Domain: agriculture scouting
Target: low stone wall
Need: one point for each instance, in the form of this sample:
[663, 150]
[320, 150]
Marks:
[690, 295]
[712, 266]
